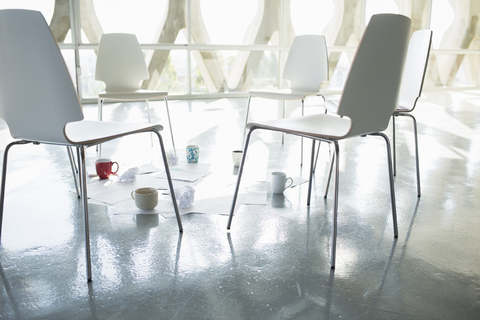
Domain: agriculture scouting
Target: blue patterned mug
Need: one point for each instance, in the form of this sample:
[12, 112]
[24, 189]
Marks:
[192, 153]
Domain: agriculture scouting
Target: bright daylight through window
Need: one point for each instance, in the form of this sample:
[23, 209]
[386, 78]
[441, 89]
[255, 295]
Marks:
[214, 48]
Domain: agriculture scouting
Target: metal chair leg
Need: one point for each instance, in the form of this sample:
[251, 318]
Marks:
[147, 104]
[417, 163]
[319, 142]
[394, 143]
[246, 120]
[237, 187]
[74, 170]
[316, 158]
[4, 178]
[84, 199]
[311, 173]
[170, 125]
[392, 184]
[335, 205]
[301, 139]
[100, 117]
[169, 179]
[329, 175]
[419, 193]
[283, 117]
[100, 109]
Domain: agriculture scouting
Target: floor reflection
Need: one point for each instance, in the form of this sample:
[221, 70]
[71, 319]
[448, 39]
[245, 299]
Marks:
[274, 263]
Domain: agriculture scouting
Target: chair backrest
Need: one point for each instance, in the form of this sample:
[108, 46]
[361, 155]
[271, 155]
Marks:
[37, 95]
[120, 62]
[307, 63]
[415, 68]
[372, 88]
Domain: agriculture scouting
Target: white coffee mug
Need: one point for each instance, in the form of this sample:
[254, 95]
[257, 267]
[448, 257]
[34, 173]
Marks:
[145, 198]
[237, 157]
[279, 182]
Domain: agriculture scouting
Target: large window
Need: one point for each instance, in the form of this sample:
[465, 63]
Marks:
[209, 48]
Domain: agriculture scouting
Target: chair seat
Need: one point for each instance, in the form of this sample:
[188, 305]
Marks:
[332, 106]
[282, 94]
[93, 132]
[368, 99]
[315, 126]
[403, 107]
[133, 95]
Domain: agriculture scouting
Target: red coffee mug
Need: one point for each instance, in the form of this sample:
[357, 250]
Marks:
[104, 168]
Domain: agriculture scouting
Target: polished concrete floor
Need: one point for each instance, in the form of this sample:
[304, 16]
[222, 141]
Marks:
[274, 263]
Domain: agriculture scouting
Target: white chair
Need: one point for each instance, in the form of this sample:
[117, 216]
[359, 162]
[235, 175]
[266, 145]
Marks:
[305, 70]
[411, 90]
[39, 103]
[369, 98]
[121, 66]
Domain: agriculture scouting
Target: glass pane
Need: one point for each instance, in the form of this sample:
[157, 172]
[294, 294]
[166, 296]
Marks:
[217, 15]
[208, 71]
[454, 26]
[69, 57]
[458, 70]
[418, 13]
[346, 28]
[90, 87]
[379, 6]
[233, 71]
[266, 75]
[56, 14]
[311, 16]
[339, 65]
[45, 6]
[172, 66]
[144, 18]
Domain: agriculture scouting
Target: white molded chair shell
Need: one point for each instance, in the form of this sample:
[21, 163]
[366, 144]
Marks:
[307, 64]
[371, 92]
[121, 66]
[305, 70]
[120, 63]
[410, 89]
[39, 104]
[415, 68]
[413, 73]
[36, 105]
[368, 100]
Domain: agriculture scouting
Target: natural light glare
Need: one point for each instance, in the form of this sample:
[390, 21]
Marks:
[227, 21]
[311, 17]
[380, 6]
[142, 18]
[45, 7]
[441, 21]
[442, 120]
[236, 29]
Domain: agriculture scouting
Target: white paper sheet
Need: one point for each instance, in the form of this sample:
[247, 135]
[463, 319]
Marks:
[147, 168]
[183, 171]
[112, 191]
[297, 181]
[183, 175]
[219, 205]
[256, 197]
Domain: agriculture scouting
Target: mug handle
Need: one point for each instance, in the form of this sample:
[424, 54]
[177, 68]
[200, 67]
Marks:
[117, 167]
[133, 197]
[291, 182]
